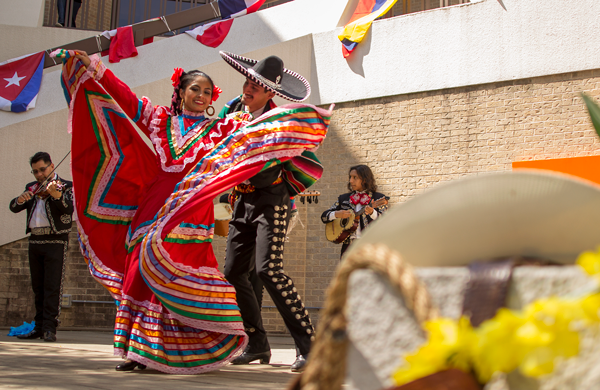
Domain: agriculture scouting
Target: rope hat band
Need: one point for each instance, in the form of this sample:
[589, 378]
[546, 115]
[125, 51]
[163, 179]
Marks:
[270, 74]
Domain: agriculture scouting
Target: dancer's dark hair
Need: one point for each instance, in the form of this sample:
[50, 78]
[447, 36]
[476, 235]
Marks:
[366, 176]
[185, 80]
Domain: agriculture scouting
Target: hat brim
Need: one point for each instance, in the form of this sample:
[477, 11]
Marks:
[528, 213]
[294, 87]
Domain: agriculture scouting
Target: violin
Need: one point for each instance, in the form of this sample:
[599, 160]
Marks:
[41, 189]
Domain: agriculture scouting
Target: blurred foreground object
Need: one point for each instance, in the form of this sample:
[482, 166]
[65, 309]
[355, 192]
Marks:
[372, 316]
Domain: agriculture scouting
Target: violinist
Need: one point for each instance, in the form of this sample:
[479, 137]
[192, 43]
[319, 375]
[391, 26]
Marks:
[49, 205]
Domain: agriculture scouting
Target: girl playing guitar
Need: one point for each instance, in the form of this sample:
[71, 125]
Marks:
[362, 203]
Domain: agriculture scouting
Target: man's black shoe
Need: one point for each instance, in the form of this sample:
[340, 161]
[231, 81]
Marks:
[34, 334]
[300, 363]
[247, 357]
[130, 365]
[49, 336]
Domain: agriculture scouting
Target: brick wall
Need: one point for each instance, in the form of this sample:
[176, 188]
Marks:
[16, 297]
[416, 141]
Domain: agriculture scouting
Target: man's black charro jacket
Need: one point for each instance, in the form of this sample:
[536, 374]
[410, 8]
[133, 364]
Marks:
[59, 211]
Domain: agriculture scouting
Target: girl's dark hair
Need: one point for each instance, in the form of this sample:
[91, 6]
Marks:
[184, 81]
[366, 176]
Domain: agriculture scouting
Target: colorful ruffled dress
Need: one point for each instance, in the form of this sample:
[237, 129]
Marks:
[146, 221]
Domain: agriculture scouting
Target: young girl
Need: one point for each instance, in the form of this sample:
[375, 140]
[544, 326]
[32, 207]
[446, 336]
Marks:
[363, 200]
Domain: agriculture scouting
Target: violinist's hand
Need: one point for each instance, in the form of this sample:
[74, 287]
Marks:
[368, 210]
[83, 56]
[52, 189]
[24, 197]
[343, 214]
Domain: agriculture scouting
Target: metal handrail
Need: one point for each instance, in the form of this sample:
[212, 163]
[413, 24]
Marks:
[141, 31]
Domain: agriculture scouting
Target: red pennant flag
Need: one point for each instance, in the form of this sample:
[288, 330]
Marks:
[212, 34]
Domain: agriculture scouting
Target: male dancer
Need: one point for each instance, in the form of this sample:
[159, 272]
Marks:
[260, 218]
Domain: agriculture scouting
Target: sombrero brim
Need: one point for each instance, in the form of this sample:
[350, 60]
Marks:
[294, 87]
[528, 213]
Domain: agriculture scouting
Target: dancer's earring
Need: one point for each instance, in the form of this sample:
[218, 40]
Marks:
[182, 106]
[210, 113]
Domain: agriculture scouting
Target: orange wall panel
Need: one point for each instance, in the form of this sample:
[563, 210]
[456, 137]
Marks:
[585, 167]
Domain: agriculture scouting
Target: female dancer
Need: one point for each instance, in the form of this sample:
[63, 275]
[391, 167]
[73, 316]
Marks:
[363, 201]
[146, 221]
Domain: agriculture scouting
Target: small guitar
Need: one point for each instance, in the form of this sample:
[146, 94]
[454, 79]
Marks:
[340, 228]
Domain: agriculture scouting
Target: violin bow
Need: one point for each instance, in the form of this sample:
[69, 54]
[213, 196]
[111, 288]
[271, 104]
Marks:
[50, 175]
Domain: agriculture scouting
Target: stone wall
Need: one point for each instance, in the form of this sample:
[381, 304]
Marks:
[16, 297]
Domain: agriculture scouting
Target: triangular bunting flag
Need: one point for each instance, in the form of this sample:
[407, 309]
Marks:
[213, 34]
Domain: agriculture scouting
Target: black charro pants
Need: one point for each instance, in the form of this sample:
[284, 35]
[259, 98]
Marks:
[258, 227]
[46, 264]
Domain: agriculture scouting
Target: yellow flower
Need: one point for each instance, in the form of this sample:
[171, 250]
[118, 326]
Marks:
[496, 349]
[550, 332]
[531, 340]
[590, 262]
[448, 347]
[591, 307]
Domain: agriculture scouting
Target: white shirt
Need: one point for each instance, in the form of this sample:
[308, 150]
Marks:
[38, 215]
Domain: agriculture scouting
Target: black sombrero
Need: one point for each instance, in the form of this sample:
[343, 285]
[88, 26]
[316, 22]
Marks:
[271, 74]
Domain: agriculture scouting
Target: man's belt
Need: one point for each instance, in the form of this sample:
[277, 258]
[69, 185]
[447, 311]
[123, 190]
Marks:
[41, 231]
[246, 189]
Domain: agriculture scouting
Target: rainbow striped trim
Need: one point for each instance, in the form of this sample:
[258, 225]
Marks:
[149, 335]
[285, 133]
[101, 106]
[110, 279]
[187, 233]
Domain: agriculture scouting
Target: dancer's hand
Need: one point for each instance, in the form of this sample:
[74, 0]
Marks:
[83, 56]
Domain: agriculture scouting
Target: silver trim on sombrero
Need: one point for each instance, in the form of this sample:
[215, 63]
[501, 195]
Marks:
[265, 80]
[230, 59]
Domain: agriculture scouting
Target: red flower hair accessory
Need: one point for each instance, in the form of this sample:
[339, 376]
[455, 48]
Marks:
[177, 72]
[216, 93]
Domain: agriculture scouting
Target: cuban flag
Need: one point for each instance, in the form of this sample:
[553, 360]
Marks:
[20, 80]
[365, 13]
[213, 34]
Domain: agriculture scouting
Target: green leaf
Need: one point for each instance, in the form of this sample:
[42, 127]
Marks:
[594, 111]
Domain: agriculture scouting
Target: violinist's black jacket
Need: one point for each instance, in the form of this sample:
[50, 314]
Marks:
[59, 211]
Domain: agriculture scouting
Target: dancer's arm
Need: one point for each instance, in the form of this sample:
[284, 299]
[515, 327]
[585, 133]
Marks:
[139, 111]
